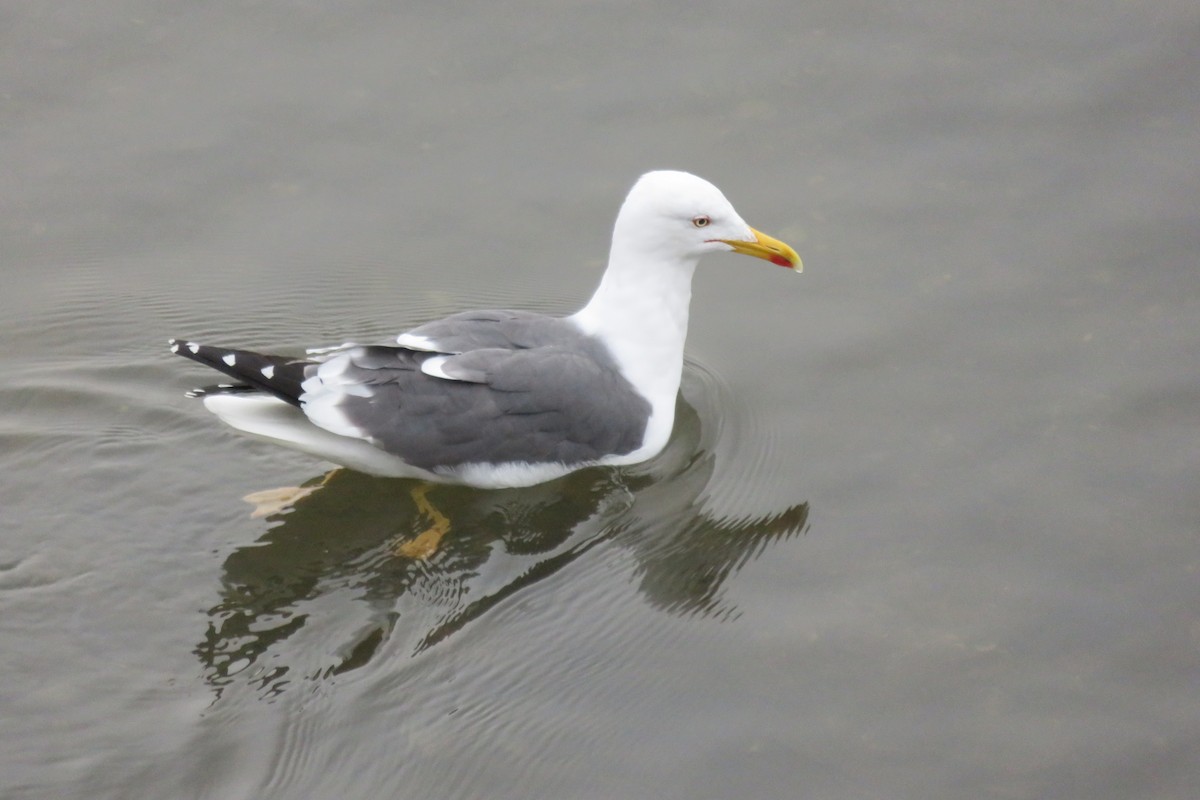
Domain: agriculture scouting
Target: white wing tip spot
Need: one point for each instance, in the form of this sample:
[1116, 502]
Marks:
[433, 367]
[420, 343]
[195, 348]
[229, 358]
[268, 371]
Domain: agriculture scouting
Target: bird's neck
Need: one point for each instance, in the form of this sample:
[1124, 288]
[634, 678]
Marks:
[640, 311]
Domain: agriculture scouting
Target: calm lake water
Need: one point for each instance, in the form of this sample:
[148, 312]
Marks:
[929, 526]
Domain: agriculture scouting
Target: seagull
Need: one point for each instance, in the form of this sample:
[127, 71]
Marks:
[495, 399]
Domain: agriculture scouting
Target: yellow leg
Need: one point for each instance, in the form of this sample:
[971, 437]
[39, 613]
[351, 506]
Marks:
[426, 544]
[272, 501]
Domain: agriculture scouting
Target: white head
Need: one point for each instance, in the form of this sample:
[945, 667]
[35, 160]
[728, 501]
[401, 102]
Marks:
[680, 217]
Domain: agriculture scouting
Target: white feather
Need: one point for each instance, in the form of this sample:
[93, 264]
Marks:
[433, 367]
[421, 343]
[505, 476]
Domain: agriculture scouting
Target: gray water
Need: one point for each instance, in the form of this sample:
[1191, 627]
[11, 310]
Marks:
[929, 526]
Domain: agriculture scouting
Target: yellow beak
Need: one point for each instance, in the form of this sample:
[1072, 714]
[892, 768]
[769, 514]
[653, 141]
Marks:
[768, 248]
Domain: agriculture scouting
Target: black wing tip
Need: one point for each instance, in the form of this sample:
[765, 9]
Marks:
[211, 356]
[178, 345]
[277, 375]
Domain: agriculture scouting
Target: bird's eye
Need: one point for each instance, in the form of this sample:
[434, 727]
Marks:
[701, 221]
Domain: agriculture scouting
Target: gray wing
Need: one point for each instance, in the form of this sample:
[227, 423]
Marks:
[477, 330]
[565, 402]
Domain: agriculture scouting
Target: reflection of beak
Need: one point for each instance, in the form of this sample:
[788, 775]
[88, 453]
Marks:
[766, 247]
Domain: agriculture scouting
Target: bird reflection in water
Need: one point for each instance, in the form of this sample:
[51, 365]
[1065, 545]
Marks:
[283, 614]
